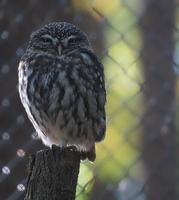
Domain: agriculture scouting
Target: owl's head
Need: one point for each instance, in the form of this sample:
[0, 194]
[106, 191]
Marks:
[58, 38]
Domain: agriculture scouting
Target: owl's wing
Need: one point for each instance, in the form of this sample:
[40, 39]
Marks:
[92, 74]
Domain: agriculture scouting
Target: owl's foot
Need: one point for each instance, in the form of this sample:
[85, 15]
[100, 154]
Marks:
[70, 148]
[90, 155]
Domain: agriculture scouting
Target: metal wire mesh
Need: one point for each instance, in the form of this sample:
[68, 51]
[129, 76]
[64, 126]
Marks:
[137, 41]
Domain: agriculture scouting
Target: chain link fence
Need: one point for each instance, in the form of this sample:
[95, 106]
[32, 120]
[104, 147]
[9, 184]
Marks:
[137, 41]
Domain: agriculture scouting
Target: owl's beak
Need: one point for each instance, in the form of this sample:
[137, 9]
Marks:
[60, 49]
[55, 41]
[57, 45]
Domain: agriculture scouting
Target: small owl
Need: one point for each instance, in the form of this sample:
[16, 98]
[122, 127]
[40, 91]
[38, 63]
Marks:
[61, 86]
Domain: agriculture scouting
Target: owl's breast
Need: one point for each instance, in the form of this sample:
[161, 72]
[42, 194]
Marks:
[63, 99]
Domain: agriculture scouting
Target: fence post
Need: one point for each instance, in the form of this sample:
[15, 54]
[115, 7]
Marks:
[53, 174]
[159, 133]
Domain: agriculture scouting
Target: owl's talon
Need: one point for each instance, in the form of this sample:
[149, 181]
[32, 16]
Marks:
[70, 148]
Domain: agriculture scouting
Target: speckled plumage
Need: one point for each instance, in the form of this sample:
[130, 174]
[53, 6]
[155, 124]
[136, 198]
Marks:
[61, 86]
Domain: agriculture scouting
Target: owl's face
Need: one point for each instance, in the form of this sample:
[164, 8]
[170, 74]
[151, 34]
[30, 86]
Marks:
[58, 38]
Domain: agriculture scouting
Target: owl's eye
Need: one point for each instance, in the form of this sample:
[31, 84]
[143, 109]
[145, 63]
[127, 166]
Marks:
[72, 40]
[47, 39]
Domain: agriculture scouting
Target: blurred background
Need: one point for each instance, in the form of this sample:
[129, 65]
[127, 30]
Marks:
[138, 43]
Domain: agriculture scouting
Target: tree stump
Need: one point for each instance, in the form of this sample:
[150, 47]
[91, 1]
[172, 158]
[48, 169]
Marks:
[53, 174]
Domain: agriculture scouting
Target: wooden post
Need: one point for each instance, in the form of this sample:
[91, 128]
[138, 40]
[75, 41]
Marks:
[53, 174]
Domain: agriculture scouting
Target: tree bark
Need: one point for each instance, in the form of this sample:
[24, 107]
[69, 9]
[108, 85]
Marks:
[159, 133]
[53, 174]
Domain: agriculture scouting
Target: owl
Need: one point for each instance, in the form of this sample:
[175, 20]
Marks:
[62, 88]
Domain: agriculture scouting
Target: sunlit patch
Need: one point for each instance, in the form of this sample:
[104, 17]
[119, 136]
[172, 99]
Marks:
[5, 136]
[34, 136]
[20, 187]
[5, 102]
[4, 35]
[5, 69]
[20, 153]
[6, 170]
[20, 119]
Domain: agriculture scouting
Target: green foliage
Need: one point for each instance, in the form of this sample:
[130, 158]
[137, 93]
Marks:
[118, 151]
[85, 181]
